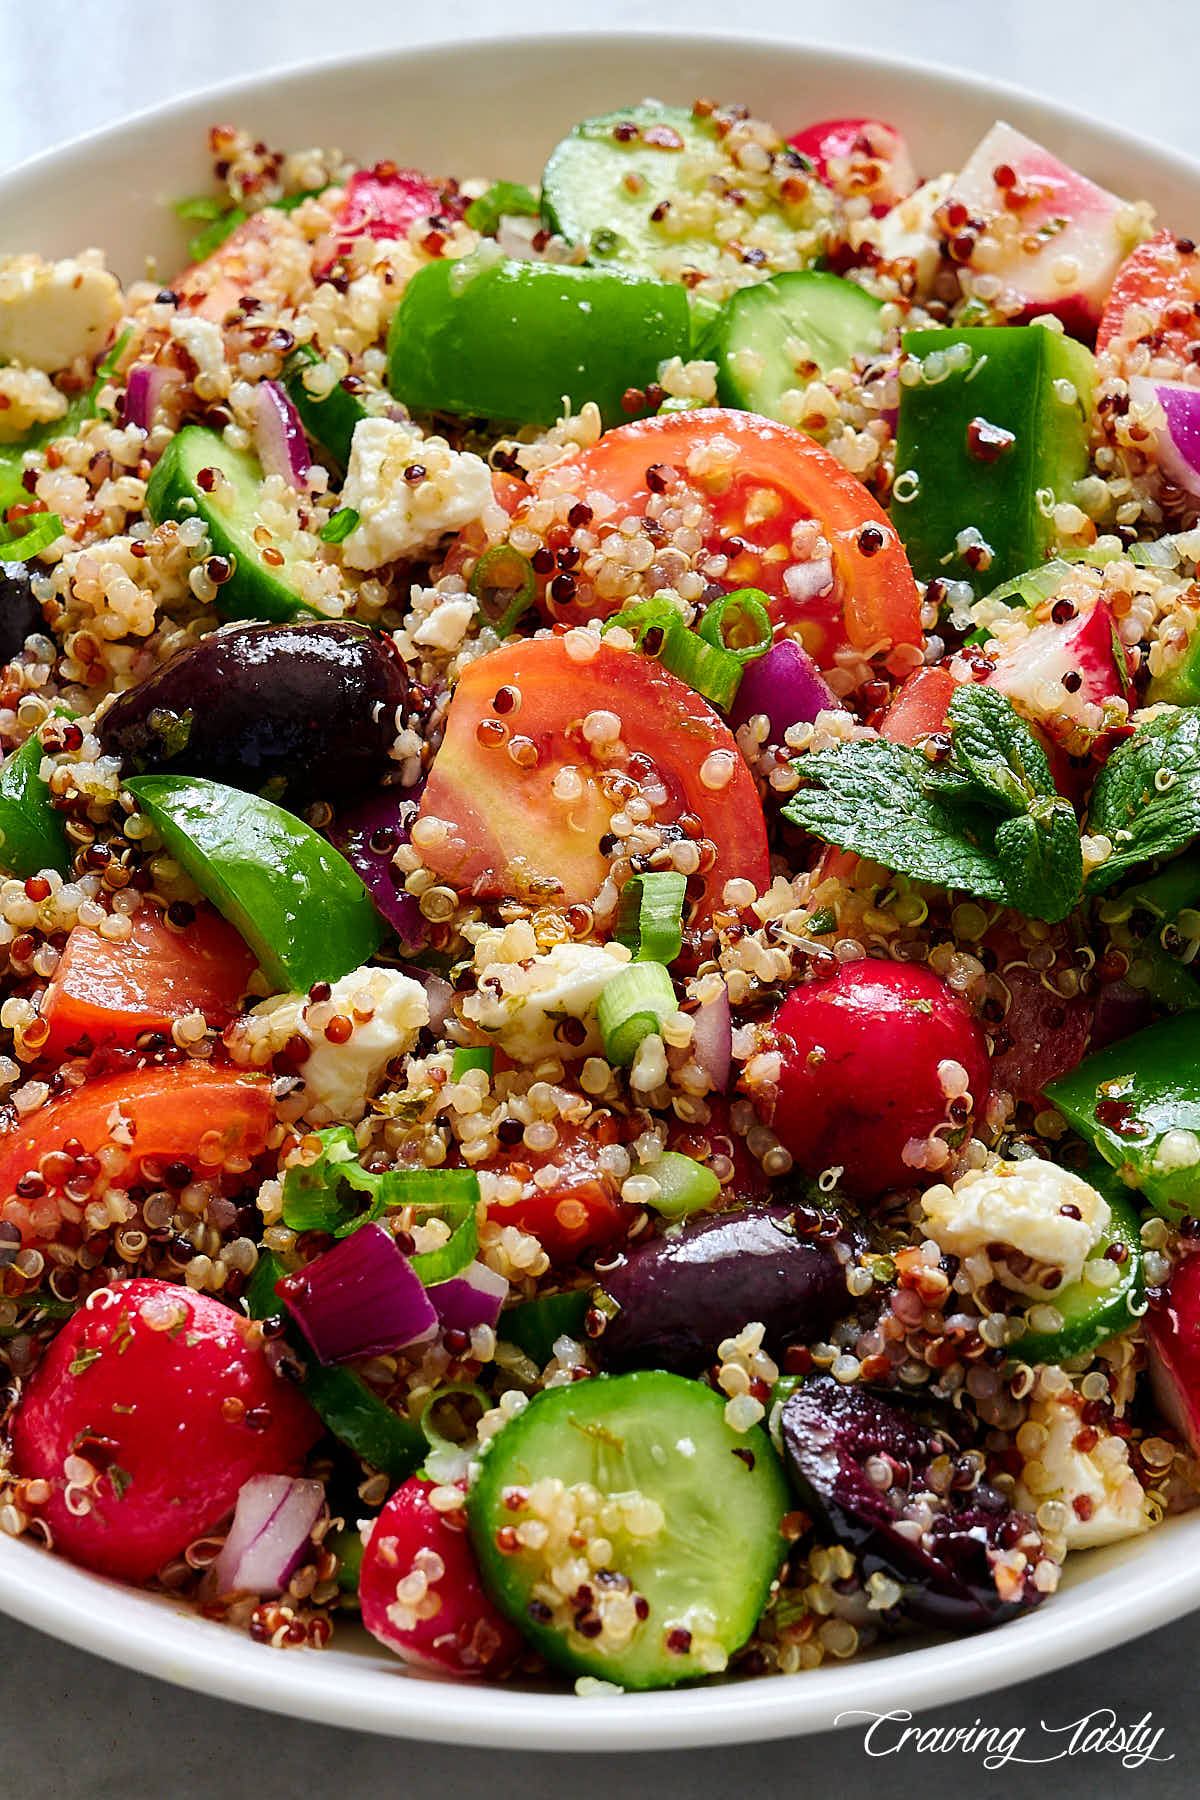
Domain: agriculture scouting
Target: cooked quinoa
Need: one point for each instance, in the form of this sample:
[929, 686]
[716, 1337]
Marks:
[642, 964]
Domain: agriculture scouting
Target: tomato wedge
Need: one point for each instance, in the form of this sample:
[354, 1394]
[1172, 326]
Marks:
[109, 993]
[188, 1113]
[758, 481]
[518, 787]
[919, 706]
[582, 1211]
[1161, 274]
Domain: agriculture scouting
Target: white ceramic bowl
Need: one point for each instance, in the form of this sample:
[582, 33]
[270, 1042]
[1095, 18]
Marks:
[496, 108]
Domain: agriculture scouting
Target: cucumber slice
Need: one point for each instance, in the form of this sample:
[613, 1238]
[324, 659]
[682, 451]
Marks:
[607, 184]
[711, 1500]
[755, 341]
[534, 1325]
[1092, 1314]
[231, 516]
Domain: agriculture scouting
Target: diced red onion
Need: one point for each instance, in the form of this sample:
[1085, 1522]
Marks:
[1177, 449]
[390, 810]
[808, 581]
[712, 1039]
[279, 435]
[472, 1298]
[143, 392]
[362, 1298]
[786, 685]
[271, 1527]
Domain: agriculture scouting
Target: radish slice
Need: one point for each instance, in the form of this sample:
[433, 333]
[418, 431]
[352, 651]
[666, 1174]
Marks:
[712, 1039]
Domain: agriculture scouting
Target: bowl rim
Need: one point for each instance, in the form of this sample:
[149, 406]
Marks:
[160, 1638]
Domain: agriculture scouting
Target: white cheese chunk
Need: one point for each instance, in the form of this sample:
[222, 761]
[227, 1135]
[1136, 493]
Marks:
[52, 313]
[399, 517]
[522, 1004]
[1020, 1205]
[1103, 1498]
[339, 1078]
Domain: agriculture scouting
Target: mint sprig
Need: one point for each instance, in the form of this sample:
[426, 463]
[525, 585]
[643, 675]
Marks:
[988, 820]
[1146, 800]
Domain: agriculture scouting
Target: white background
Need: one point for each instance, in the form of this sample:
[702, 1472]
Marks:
[77, 1727]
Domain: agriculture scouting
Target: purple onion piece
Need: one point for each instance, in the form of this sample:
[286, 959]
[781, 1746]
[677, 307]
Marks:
[386, 818]
[271, 1527]
[362, 1298]
[472, 1298]
[279, 436]
[1178, 448]
[787, 686]
[439, 994]
[143, 392]
[712, 1039]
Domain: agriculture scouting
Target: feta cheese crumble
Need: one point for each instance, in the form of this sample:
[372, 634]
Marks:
[1085, 1468]
[523, 1005]
[52, 313]
[1030, 1225]
[402, 513]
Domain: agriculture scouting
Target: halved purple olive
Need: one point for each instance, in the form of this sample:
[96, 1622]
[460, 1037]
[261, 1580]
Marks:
[861, 1466]
[20, 614]
[677, 1297]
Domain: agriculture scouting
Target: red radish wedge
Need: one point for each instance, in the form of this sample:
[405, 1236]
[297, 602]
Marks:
[421, 1594]
[1052, 238]
[859, 158]
[1062, 676]
[1173, 1336]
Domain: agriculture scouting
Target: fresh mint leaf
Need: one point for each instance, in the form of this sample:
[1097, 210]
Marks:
[1041, 860]
[996, 751]
[1146, 800]
[870, 797]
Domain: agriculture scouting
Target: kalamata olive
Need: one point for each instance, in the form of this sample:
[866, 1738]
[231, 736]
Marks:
[678, 1297]
[20, 614]
[297, 712]
[860, 1464]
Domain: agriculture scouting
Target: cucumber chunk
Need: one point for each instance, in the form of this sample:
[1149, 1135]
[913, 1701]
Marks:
[620, 184]
[330, 420]
[1092, 1314]
[231, 515]
[690, 1508]
[755, 340]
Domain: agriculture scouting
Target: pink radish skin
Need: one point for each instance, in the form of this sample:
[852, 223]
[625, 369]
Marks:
[1037, 664]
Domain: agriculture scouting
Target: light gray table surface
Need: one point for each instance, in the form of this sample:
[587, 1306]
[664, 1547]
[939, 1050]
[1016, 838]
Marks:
[74, 1726]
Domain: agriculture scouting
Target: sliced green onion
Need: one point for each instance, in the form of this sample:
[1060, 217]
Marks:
[201, 247]
[503, 199]
[462, 1216]
[46, 529]
[503, 570]
[534, 1325]
[472, 1057]
[713, 673]
[319, 1196]
[748, 604]
[106, 368]
[338, 525]
[677, 403]
[437, 1440]
[650, 916]
[685, 1186]
[632, 1006]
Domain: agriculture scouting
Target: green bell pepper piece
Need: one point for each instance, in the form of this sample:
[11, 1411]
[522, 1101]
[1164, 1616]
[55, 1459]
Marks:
[341, 1398]
[1137, 1102]
[296, 901]
[953, 474]
[534, 1324]
[511, 340]
[330, 420]
[1092, 1314]
[32, 833]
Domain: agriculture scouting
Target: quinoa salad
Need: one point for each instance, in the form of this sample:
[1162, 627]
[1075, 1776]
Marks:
[600, 846]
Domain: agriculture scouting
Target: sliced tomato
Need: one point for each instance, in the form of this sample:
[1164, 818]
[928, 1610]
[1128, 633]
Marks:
[1162, 276]
[919, 706]
[191, 1113]
[519, 789]
[768, 480]
[746, 1184]
[581, 1210]
[212, 288]
[109, 993]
